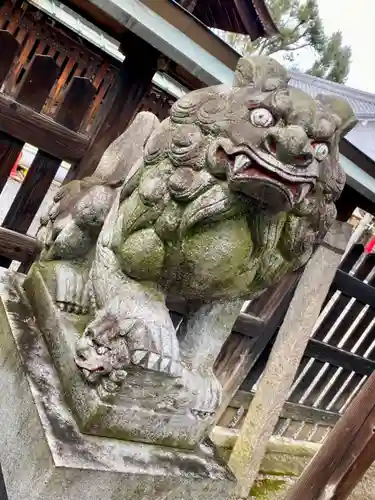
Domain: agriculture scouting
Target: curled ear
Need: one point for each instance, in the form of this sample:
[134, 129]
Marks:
[341, 110]
[263, 72]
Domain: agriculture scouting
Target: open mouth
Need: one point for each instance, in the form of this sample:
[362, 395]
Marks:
[265, 183]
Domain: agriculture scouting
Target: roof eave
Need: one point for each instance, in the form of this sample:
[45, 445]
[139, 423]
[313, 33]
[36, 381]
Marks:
[269, 28]
[247, 17]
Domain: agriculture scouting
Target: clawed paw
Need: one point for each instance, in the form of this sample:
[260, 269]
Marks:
[206, 399]
[72, 308]
[202, 415]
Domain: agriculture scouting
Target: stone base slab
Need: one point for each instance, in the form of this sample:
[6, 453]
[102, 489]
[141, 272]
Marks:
[43, 454]
[155, 420]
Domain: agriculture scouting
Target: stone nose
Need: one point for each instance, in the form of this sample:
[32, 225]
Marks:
[87, 357]
[290, 145]
[83, 350]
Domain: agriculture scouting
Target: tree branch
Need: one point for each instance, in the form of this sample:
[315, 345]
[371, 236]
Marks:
[288, 45]
[262, 47]
[291, 49]
[296, 28]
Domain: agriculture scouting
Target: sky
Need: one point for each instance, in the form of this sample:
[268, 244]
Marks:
[356, 21]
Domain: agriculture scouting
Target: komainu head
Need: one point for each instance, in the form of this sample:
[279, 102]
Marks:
[275, 145]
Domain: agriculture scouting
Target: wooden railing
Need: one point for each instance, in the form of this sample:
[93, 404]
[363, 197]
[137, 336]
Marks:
[21, 121]
[53, 88]
[36, 33]
[339, 358]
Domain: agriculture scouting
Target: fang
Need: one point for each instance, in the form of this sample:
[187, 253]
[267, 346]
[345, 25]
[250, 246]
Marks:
[241, 162]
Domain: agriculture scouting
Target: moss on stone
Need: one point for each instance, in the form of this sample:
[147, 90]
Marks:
[265, 486]
[142, 255]
[215, 258]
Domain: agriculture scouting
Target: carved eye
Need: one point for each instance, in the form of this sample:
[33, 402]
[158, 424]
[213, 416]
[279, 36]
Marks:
[261, 117]
[321, 150]
[101, 350]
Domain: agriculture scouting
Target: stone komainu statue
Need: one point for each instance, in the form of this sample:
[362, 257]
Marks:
[214, 205]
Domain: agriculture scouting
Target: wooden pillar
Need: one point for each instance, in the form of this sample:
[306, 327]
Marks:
[122, 102]
[347, 203]
[351, 199]
[189, 5]
[346, 454]
[285, 358]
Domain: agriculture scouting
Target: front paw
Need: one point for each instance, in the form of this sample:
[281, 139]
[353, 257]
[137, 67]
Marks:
[206, 395]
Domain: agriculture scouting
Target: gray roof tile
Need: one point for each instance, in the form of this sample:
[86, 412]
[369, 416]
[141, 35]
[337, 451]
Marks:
[363, 103]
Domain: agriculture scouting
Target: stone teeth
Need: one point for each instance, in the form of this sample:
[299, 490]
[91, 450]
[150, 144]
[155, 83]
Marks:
[138, 357]
[165, 365]
[153, 361]
[175, 369]
[303, 190]
[241, 162]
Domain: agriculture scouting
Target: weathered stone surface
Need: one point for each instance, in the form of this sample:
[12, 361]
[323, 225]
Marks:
[283, 463]
[43, 454]
[111, 412]
[286, 355]
[214, 205]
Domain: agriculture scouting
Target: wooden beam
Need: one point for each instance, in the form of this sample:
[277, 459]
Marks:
[247, 17]
[33, 91]
[347, 203]
[3, 491]
[133, 83]
[353, 287]
[8, 48]
[43, 169]
[99, 12]
[285, 358]
[357, 156]
[241, 353]
[249, 325]
[338, 357]
[346, 454]
[294, 411]
[42, 132]
[16, 246]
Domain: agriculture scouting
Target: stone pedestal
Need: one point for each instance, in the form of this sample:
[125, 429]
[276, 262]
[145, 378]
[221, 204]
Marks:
[43, 454]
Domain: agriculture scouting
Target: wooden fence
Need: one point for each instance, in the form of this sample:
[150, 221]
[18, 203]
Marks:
[36, 33]
[339, 357]
[52, 86]
[21, 121]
